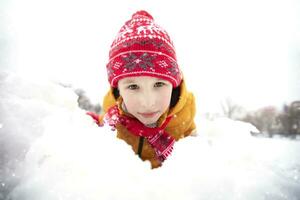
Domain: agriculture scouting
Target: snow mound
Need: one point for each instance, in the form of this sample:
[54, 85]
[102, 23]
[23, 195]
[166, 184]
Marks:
[24, 104]
[225, 128]
[60, 153]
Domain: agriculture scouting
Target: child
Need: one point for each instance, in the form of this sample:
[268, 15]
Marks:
[148, 102]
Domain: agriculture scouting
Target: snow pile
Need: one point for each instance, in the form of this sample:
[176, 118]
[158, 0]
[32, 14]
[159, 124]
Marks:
[24, 104]
[69, 157]
[74, 159]
[223, 128]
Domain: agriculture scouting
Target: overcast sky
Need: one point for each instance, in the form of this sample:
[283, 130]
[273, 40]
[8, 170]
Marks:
[246, 50]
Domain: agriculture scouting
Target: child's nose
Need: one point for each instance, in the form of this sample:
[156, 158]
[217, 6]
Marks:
[148, 100]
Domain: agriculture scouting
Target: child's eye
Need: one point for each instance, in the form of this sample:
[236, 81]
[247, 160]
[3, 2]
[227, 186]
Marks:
[133, 87]
[159, 84]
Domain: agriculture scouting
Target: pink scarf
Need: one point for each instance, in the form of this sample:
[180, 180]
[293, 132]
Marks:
[157, 137]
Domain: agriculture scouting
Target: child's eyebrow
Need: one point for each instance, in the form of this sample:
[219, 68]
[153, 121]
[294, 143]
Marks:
[129, 81]
[162, 80]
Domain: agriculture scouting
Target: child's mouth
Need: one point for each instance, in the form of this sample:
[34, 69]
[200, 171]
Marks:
[148, 115]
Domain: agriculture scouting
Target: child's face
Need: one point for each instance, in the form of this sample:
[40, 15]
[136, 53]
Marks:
[145, 97]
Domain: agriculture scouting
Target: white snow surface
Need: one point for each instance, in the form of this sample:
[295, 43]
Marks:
[54, 151]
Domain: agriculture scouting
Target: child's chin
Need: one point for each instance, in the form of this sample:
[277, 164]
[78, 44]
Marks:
[148, 121]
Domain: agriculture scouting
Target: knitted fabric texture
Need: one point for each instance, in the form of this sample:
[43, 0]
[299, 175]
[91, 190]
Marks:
[142, 48]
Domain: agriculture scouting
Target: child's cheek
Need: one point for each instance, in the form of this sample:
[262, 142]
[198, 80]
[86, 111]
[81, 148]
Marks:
[131, 102]
[164, 98]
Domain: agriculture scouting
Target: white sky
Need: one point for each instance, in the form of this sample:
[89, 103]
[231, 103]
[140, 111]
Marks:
[246, 50]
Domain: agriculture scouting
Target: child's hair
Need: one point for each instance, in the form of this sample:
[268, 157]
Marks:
[174, 97]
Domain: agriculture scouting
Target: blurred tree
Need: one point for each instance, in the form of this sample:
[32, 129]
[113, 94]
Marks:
[270, 121]
[85, 103]
[265, 120]
[230, 109]
[83, 100]
[290, 118]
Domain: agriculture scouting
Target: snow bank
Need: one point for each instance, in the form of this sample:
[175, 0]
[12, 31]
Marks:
[69, 157]
[24, 104]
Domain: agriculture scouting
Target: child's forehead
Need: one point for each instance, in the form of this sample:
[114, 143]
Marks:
[135, 79]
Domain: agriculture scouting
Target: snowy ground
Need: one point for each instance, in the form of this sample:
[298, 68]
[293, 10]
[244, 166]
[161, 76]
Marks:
[50, 150]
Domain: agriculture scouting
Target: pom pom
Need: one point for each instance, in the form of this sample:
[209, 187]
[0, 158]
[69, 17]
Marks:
[142, 14]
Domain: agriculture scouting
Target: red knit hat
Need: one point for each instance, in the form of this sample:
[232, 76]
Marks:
[142, 48]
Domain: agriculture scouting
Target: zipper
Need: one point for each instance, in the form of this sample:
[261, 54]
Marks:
[140, 147]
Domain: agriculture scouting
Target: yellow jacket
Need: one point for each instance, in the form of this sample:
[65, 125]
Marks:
[181, 125]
